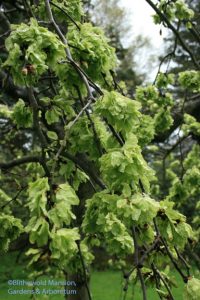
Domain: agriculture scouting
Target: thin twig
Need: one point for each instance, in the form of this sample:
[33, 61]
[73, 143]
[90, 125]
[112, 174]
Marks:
[14, 198]
[185, 278]
[67, 50]
[183, 261]
[163, 280]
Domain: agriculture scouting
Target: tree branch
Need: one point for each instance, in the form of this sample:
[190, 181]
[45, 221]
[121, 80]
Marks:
[65, 42]
[176, 33]
[136, 256]
[156, 271]
[36, 121]
[20, 161]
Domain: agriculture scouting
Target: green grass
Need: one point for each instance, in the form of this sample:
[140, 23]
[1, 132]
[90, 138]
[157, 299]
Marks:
[105, 285]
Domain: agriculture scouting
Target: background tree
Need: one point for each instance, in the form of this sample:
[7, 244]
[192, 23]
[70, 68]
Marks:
[178, 144]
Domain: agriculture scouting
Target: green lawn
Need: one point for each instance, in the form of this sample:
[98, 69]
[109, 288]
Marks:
[105, 285]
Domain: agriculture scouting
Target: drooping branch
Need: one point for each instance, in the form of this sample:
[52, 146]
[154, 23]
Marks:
[14, 198]
[176, 33]
[65, 42]
[184, 277]
[136, 258]
[36, 121]
[20, 161]
[192, 107]
[66, 14]
[157, 272]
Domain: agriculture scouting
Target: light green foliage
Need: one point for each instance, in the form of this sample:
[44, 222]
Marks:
[192, 158]
[52, 115]
[88, 149]
[5, 111]
[190, 80]
[61, 105]
[22, 115]
[191, 125]
[64, 102]
[186, 190]
[61, 213]
[52, 135]
[163, 120]
[63, 245]
[147, 95]
[183, 12]
[72, 7]
[38, 197]
[105, 136]
[79, 177]
[58, 215]
[10, 229]
[82, 139]
[125, 166]
[192, 290]
[163, 80]
[90, 48]
[121, 112]
[110, 217]
[75, 264]
[101, 219]
[4, 200]
[145, 131]
[156, 101]
[172, 225]
[153, 97]
[32, 49]
[38, 229]
[182, 190]
[174, 10]
[124, 115]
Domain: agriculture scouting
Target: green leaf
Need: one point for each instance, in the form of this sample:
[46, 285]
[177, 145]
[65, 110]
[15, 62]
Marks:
[38, 231]
[22, 115]
[53, 115]
[121, 112]
[38, 196]
[10, 229]
[192, 289]
[65, 198]
[63, 245]
[52, 135]
[32, 49]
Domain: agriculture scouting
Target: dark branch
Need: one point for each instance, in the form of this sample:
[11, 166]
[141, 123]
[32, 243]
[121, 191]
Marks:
[20, 161]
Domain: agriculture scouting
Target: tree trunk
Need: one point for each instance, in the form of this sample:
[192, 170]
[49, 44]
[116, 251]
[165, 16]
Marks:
[80, 288]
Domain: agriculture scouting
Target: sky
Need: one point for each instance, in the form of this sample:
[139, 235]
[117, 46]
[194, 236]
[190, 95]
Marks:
[141, 21]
